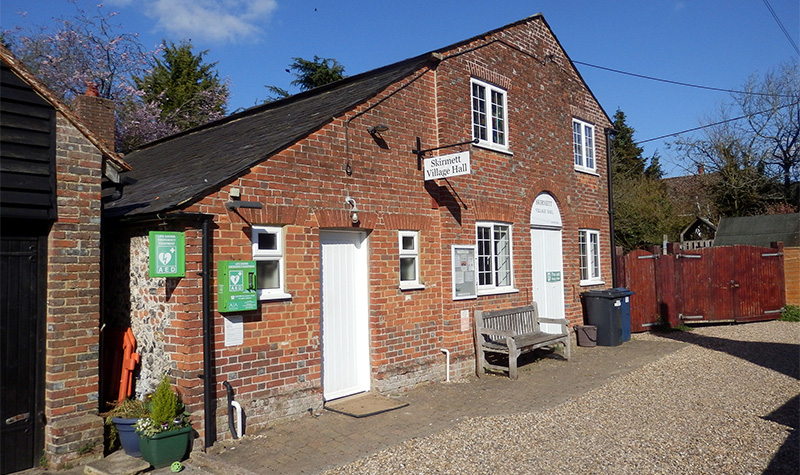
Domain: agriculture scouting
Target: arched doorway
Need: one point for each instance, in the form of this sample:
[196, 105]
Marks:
[547, 260]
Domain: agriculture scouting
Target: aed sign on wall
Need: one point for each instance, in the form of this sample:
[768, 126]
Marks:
[167, 254]
[445, 166]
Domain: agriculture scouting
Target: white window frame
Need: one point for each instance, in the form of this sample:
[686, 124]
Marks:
[491, 271]
[276, 255]
[412, 253]
[583, 144]
[589, 256]
[494, 135]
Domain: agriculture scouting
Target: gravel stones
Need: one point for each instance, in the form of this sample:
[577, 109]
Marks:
[727, 403]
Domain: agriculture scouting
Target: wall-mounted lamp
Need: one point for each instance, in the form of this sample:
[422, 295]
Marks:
[377, 129]
[353, 208]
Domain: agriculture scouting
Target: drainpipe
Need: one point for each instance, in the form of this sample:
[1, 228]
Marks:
[610, 134]
[208, 334]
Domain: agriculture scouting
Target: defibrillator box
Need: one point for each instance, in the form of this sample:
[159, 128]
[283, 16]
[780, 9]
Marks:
[237, 286]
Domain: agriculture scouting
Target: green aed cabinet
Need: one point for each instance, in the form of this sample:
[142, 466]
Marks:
[237, 286]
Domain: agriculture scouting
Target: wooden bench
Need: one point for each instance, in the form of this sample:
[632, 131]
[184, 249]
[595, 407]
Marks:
[513, 332]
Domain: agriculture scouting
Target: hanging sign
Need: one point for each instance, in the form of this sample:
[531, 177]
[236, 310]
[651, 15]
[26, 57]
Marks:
[445, 166]
[167, 254]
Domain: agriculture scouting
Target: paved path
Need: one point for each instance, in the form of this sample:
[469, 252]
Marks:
[311, 445]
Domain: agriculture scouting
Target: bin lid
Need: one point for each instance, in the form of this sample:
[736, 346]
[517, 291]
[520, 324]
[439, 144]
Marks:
[616, 293]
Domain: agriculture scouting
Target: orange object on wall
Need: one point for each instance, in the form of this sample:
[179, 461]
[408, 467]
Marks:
[129, 362]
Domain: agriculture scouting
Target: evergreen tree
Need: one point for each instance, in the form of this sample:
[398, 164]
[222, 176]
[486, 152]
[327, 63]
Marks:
[642, 210]
[186, 89]
[309, 74]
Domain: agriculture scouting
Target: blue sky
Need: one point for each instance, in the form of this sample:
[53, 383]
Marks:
[711, 43]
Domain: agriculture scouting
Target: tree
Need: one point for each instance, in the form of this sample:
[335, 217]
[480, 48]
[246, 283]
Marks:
[187, 90]
[309, 74]
[79, 50]
[771, 106]
[642, 210]
[91, 48]
[756, 155]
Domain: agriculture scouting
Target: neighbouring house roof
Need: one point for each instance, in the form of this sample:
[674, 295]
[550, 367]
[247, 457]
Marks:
[174, 172]
[114, 159]
[690, 195]
[759, 230]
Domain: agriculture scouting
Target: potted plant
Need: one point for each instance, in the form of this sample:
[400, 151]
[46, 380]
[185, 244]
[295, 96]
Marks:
[165, 433]
[120, 419]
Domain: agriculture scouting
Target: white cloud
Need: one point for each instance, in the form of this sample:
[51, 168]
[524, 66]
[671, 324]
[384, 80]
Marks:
[210, 20]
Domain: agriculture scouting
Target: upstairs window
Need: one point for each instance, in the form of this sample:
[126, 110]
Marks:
[489, 116]
[589, 253]
[268, 252]
[583, 144]
[494, 257]
[409, 260]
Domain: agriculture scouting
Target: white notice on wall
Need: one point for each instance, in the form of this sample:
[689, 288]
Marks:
[465, 320]
[234, 330]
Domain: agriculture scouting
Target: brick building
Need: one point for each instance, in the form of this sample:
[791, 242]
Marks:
[50, 206]
[366, 270]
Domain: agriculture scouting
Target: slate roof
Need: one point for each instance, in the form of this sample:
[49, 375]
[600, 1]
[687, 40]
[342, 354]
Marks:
[759, 230]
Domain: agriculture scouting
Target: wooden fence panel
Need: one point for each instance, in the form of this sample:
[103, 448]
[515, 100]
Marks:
[730, 283]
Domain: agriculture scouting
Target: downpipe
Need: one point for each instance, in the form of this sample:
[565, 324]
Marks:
[447, 364]
[234, 413]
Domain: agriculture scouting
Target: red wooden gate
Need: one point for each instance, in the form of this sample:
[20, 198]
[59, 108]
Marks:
[718, 284]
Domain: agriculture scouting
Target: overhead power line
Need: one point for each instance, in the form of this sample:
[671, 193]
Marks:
[678, 83]
[780, 24]
[714, 124]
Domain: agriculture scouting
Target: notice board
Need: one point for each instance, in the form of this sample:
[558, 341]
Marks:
[464, 275]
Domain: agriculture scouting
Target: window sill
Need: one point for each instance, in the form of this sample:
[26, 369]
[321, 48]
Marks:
[587, 171]
[494, 148]
[497, 291]
[411, 286]
[589, 283]
[274, 296]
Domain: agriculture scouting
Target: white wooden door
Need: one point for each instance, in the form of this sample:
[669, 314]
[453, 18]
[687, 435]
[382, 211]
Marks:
[345, 314]
[547, 260]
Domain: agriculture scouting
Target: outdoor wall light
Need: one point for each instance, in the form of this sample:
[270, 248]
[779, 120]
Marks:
[353, 208]
[377, 129]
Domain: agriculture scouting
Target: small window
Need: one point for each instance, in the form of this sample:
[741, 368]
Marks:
[583, 144]
[489, 115]
[409, 260]
[589, 252]
[494, 257]
[269, 257]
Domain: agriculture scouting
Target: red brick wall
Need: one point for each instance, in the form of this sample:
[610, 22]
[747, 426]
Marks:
[277, 371]
[73, 301]
[791, 270]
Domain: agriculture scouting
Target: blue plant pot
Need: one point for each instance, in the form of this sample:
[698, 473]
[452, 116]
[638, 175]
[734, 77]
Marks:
[161, 450]
[127, 436]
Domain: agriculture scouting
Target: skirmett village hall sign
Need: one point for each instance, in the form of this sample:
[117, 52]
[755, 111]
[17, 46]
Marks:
[445, 166]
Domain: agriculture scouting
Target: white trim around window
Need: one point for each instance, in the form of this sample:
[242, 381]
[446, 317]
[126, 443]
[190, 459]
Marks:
[589, 254]
[489, 115]
[408, 250]
[583, 146]
[495, 258]
[268, 252]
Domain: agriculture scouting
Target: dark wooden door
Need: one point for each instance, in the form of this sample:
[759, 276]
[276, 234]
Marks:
[640, 271]
[21, 350]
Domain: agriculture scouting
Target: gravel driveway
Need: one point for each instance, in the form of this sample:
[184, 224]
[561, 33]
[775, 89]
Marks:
[726, 404]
